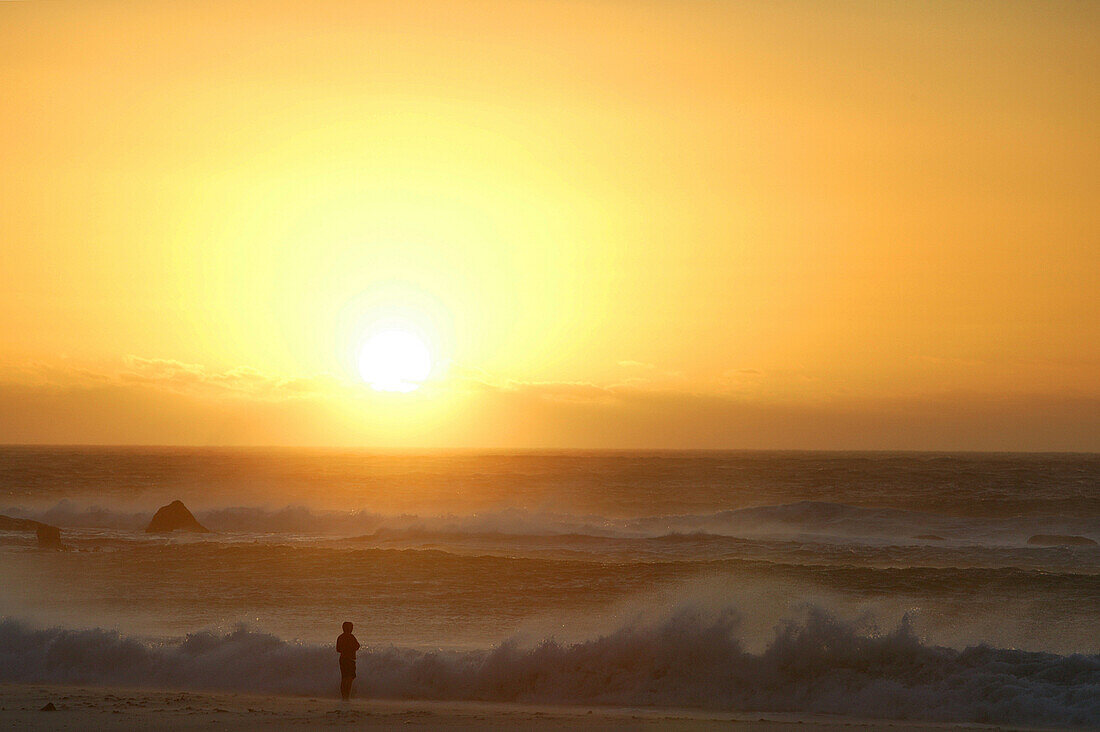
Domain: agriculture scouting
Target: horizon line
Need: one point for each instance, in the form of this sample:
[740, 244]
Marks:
[483, 449]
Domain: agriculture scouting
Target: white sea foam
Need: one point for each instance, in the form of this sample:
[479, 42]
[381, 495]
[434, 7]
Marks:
[803, 520]
[690, 658]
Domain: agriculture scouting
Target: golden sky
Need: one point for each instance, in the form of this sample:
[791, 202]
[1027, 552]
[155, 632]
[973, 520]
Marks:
[614, 224]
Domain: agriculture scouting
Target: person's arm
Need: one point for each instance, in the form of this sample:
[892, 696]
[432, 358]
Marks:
[356, 642]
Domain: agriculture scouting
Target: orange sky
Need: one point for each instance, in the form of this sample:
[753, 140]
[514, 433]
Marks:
[616, 224]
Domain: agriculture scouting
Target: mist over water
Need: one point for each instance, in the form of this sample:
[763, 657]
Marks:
[688, 659]
[894, 585]
[606, 483]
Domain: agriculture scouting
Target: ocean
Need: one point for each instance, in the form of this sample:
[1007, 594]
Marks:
[892, 585]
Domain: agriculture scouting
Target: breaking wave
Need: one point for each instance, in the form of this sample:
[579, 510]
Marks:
[805, 520]
[689, 658]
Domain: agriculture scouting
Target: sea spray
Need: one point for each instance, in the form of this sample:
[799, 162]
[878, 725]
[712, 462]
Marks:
[816, 521]
[612, 574]
[691, 658]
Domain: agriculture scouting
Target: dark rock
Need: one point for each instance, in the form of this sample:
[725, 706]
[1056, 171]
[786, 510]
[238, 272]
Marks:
[1061, 540]
[49, 537]
[928, 537]
[48, 708]
[174, 517]
[7, 523]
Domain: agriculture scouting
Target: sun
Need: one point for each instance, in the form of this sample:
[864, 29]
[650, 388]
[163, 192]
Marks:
[394, 360]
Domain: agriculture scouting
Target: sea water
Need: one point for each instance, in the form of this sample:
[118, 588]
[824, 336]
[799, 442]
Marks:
[898, 585]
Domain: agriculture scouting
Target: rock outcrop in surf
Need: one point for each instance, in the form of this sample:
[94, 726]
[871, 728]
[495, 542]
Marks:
[174, 517]
[49, 537]
[1060, 540]
[7, 523]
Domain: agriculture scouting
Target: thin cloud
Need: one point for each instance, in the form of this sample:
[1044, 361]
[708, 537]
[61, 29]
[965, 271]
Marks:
[569, 391]
[189, 377]
[173, 402]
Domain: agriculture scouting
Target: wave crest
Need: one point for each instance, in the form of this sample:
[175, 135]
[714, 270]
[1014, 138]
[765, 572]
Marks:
[691, 658]
[806, 520]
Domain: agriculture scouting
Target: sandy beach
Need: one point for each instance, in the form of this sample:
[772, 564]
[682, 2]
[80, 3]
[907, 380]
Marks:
[83, 708]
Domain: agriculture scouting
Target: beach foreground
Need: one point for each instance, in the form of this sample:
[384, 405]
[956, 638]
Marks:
[83, 708]
[875, 586]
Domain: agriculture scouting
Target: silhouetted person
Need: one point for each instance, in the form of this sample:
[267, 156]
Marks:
[346, 646]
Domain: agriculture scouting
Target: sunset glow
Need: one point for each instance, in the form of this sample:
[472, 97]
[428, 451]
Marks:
[394, 360]
[736, 225]
[565, 364]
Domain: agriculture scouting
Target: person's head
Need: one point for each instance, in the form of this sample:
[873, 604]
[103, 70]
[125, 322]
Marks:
[347, 627]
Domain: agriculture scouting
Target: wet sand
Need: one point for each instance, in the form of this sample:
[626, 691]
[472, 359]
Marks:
[83, 708]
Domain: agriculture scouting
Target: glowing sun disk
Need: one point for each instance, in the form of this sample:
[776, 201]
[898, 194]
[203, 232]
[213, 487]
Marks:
[394, 360]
